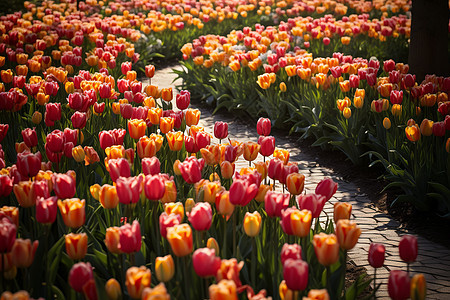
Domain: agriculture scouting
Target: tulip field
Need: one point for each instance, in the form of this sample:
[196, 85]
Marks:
[110, 189]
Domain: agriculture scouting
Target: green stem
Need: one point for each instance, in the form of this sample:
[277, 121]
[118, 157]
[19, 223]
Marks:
[254, 262]
[185, 279]
[224, 245]
[233, 224]
[375, 283]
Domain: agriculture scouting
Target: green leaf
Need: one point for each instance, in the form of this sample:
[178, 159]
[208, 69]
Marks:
[350, 293]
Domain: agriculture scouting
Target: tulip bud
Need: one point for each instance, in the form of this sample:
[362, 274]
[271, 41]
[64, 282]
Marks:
[112, 288]
[164, 268]
[295, 274]
[399, 285]
[408, 248]
[73, 212]
[212, 244]
[158, 292]
[418, 287]
[295, 183]
[342, 210]
[263, 126]
[130, 239]
[76, 245]
[347, 233]
[326, 248]
[252, 223]
[376, 255]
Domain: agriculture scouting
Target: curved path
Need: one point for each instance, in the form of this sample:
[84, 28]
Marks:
[433, 259]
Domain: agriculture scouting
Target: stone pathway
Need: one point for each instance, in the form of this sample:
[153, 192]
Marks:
[433, 259]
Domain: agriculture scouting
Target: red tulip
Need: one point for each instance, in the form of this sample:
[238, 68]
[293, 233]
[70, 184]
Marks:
[104, 90]
[119, 167]
[242, 192]
[55, 141]
[396, 97]
[99, 108]
[68, 149]
[220, 130]
[189, 143]
[151, 166]
[202, 139]
[129, 189]
[205, 262]
[231, 153]
[263, 126]
[125, 67]
[438, 128]
[28, 163]
[183, 100]
[408, 248]
[63, 185]
[123, 85]
[70, 136]
[200, 216]
[166, 221]
[78, 102]
[154, 187]
[293, 251]
[130, 239]
[389, 65]
[326, 187]
[376, 255]
[191, 169]
[275, 202]
[149, 71]
[30, 137]
[6, 185]
[79, 120]
[312, 202]
[354, 81]
[295, 273]
[410, 80]
[267, 144]
[46, 209]
[7, 234]
[3, 130]
[275, 168]
[399, 285]
[79, 275]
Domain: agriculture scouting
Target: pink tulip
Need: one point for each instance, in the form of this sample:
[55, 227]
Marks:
[205, 262]
[130, 238]
[312, 202]
[79, 275]
[326, 187]
[376, 255]
[275, 202]
[64, 185]
[46, 209]
[408, 248]
[191, 169]
[151, 166]
[129, 189]
[119, 168]
[201, 216]
[399, 285]
[263, 126]
[167, 221]
[293, 251]
[295, 273]
[154, 187]
[242, 192]
[267, 144]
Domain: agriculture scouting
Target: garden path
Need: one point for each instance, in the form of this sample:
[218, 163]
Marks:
[376, 226]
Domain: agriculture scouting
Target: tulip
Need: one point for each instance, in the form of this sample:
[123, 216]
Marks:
[275, 202]
[30, 137]
[154, 187]
[418, 287]
[23, 252]
[408, 248]
[118, 168]
[399, 285]
[166, 221]
[342, 210]
[376, 255]
[79, 275]
[6, 185]
[175, 140]
[295, 183]
[180, 239]
[46, 209]
[229, 269]
[347, 233]
[73, 212]
[267, 144]
[275, 169]
[130, 239]
[251, 150]
[205, 262]
[112, 239]
[36, 118]
[183, 100]
[191, 169]
[227, 169]
[295, 274]
[137, 279]
[76, 245]
[326, 248]
[79, 119]
[292, 251]
[200, 216]
[326, 187]
[284, 292]
[252, 223]
[146, 147]
[25, 195]
[221, 130]
[64, 186]
[78, 153]
[151, 166]
[164, 268]
[312, 202]
[129, 189]
[263, 126]
[112, 289]
[211, 243]
[158, 292]
[296, 222]
[223, 290]
[318, 294]
[223, 204]
[167, 94]
[149, 71]
[136, 128]
[242, 192]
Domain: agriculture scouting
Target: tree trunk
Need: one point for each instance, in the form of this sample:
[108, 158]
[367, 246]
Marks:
[428, 49]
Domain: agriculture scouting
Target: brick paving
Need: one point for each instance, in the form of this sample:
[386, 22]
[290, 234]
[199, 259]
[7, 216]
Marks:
[433, 259]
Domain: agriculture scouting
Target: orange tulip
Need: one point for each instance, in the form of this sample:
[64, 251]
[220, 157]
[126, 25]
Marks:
[189, 204]
[164, 268]
[23, 253]
[149, 102]
[251, 150]
[282, 155]
[317, 295]
[426, 127]
[73, 212]
[342, 210]
[175, 140]
[212, 244]
[76, 245]
[386, 123]
[22, 70]
[428, 100]
[137, 279]
[24, 193]
[154, 115]
[136, 128]
[327, 248]
[170, 192]
[358, 102]
[300, 222]
[284, 292]
[146, 147]
[166, 124]
[263, 189]
[167, 94]
[112, 240]
[108, 196]
[347, 233]
[174, 208]
[180, 239]
[347, 113]
[211, 154]
[252, 223]
[224, 290]
[418, 287]
[227, 169]
[131, 75]
[210, 190]
[6, 75]
[295, 183]
[152, 91]
[192, 116]
[112, 289]
[412, 133]
[116, 151]
[345, 86]
[223, 204]
[158, 292]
